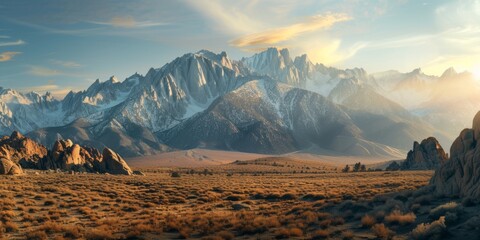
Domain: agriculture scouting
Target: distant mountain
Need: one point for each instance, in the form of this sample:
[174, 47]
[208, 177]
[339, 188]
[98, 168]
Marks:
[269, 102]
[271, 117]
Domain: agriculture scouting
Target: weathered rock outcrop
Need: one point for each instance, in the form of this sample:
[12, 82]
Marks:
[460, 176]
[17, 151]
[114, 163]
[22, 150]
[9, 167]
[68, 156]
[427, 155]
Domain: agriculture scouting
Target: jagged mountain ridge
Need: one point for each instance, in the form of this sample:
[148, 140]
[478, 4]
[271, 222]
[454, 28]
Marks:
[279, 119]
[127, 115]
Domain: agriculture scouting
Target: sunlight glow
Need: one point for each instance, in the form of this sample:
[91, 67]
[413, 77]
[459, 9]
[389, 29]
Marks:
[476, 72]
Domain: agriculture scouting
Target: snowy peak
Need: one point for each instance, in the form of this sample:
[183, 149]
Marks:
[276, 64]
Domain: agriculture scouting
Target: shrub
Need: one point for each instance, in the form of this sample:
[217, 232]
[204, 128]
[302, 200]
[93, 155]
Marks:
[396, 217]
[321, 234]
[381, 231]
[368, 221]
[441, 210]
[430, 230]
[225, 235]
[37, 235]
[10, 227]
[347, 234]
[175, 174]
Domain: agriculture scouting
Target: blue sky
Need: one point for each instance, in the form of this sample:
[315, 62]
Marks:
[61, 45]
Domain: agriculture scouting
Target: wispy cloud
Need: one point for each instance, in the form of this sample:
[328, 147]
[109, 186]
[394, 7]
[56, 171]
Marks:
[56, 90]
[129, 22]
[41, 88]
[14, 43]
[66, 64]
[7, 56]
[43, 72]
[4, 37]
[230, 19]
[279, 35]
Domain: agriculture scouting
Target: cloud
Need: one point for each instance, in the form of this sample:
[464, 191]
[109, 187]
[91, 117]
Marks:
[41, 88]
[329, 51]
[43, 72]
[15, 43]
[4, 37]
[279, 35]
[7, 56]
[129, 22]
[230, 19]
[56, 90]
[67, 64]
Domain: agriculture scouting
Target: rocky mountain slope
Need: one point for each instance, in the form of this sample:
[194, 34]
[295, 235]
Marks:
[270, 117]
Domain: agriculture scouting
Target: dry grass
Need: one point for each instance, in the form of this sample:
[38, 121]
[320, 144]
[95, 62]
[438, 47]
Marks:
[215, 205]
[368, 221]
[396, 217]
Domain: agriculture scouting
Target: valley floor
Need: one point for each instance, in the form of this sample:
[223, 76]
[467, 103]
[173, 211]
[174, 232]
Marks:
[211, 204]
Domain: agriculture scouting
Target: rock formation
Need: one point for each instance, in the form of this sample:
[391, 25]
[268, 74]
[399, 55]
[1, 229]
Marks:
[68, 156]
[460, 176]
[18, 151]
[427, 155]
[22, 150]
[114, 163]
[9, 167]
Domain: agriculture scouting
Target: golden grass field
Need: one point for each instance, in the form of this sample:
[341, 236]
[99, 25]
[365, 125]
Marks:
[216, 203]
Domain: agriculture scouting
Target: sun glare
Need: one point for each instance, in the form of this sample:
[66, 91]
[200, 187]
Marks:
[476, 72]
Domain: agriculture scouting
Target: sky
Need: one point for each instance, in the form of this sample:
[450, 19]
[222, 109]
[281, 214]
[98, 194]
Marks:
[59, 46]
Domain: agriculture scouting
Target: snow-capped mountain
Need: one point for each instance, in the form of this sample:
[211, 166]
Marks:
[270, 117]
[27, 112]
[136, 115]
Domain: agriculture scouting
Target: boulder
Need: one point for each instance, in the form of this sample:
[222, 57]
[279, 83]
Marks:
[427, 155]
[114, 163]
[22, 150]
[460, 176]
[9, 167]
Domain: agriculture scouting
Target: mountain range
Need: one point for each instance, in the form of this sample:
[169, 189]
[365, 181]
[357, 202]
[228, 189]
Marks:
[267, 103]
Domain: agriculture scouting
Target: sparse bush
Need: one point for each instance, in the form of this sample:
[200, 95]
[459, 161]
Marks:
[10, 227]
[175, 175]
[381, 231]
[396, 217]
[225, 235]
[99, 233]
[430, 230]
[347, 234]
[37, 235]
[441, 210]
[321, 234]
[368, 221]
